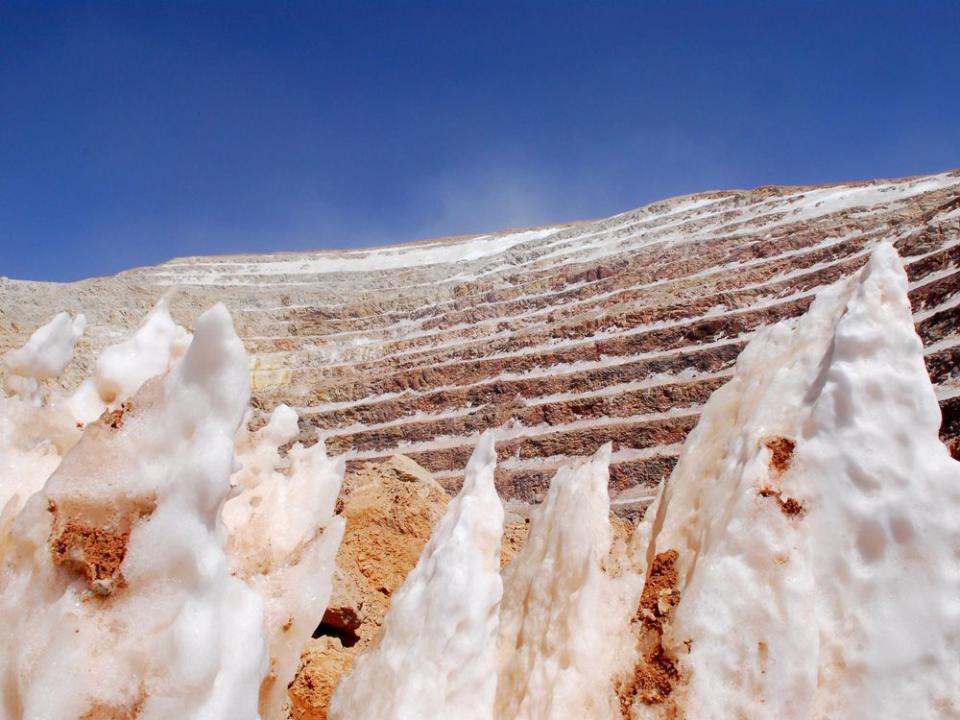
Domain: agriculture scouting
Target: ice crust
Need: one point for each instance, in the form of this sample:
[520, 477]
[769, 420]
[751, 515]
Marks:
[140, 579]
[437, 657]
[819, 577]
[562, 616]
[282, 539]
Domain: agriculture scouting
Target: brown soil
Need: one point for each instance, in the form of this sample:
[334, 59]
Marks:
[788, 505]
[94, 550]
[321, 666]
[781, 450]
[619, 560]
[114, 418]
[390, 508]
[514, 536]
[660, 594]
[782, 453]
[655, 675]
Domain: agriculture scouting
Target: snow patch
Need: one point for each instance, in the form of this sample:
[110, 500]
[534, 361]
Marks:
[115, 585]
[45, 355]
[562, 617]
[813, 517]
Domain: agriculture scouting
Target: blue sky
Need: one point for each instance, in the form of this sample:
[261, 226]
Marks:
[133, 132]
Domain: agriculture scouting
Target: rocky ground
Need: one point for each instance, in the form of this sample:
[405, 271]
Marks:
[390, 508]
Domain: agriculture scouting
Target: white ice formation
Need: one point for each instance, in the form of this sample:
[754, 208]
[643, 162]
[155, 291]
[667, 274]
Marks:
[437, 657]
[115, 586]
[282, 539]
[563, 618]
[122, 368]
[812, 527]
[44, 356]
[128, 588]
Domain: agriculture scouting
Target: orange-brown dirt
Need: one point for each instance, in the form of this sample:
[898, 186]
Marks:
[390, 509]
[655, 675]
[322, 664]
[105, 711]
[618, 561]
[114, 418]
[781, 453]
[514, 536]
[788, 505]
[92, 542]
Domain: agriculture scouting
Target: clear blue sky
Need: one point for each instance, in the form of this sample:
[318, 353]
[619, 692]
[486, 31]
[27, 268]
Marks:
[133, 132]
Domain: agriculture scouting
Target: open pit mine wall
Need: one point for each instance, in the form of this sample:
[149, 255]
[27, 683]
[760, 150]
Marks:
[801, 562]
[562, 338]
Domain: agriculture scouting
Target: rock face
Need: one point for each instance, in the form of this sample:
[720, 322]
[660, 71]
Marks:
[390, 509]
[562, 338]
[437, 653]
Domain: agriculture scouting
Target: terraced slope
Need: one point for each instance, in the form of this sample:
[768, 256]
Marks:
[562, 337]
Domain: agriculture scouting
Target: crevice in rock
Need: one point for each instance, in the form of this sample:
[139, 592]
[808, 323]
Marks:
[348, 638]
